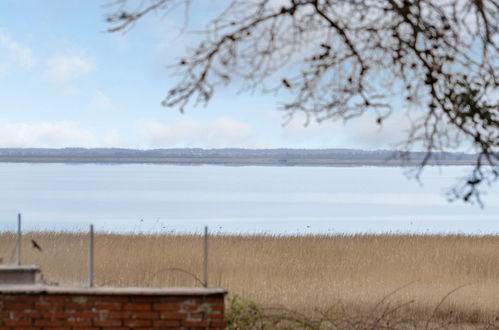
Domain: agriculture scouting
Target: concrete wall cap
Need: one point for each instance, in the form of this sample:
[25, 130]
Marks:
[7, 267]
[111, 291]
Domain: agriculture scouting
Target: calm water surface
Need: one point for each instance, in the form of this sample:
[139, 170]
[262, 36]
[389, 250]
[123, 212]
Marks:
[252, 199]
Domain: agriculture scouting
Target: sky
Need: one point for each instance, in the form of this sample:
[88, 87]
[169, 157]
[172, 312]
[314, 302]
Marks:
[66, 82]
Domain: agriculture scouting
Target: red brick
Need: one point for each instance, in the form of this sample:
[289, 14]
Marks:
[13, 323]
[18, 298]
[28, 314]
[108, 306]
[85, 314]
[190, 307]
[137, 307]
[49, 323]
[47, 306]
[129, 311]
[195, 315]
[218, 307]
[143, 299]
[78, 322]
[56, 298]
[167, 323]
[114, 299]
[137, 323]
[57, 315]
[172, 299]
[144, 315]
[173, 316]
[17, 306]
[195, 323]
[79, 306]
[107, 323]
[116, 315]
[166, 307]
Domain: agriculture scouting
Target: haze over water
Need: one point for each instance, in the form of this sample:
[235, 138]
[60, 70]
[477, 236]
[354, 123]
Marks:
[249, 199]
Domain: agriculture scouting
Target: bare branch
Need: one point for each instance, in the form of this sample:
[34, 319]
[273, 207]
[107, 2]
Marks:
[336, 60]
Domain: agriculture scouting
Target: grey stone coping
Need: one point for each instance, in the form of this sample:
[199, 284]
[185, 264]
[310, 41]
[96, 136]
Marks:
[11, 267]
[111, 291]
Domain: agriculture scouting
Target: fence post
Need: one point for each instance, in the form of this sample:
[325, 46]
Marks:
[18, 242]
[205, 265]
[91, 257]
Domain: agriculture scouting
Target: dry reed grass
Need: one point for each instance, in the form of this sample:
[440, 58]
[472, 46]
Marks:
[307, 273]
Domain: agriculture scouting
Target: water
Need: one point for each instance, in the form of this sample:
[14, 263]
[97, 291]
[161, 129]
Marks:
[252, 199]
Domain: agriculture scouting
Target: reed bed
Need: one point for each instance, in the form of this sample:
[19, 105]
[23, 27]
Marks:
[447, 277]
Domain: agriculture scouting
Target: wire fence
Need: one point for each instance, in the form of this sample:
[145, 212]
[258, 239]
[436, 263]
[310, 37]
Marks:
[13, 243]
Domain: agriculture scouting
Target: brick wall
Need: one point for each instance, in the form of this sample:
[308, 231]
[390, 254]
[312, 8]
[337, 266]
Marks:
[111, 308]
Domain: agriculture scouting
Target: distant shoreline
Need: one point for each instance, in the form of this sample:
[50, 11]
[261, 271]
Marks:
[233, 161]
[234, 157]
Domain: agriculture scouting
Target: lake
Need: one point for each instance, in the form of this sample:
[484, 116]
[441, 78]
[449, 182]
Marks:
[248, 199]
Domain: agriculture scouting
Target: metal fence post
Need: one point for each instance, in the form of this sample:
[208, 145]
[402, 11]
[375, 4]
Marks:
[91, 257]
[18, 242]
[205, 265]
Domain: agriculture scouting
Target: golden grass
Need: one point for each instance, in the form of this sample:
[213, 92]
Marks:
[305, 273]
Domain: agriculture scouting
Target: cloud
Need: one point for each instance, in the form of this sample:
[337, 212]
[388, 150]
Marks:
[393, 131]
[4, 68]
[362, 132]
[62, 69]
[17, 52]
[100, 102]
[113, 139]
[222, 132]
[46, 135]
